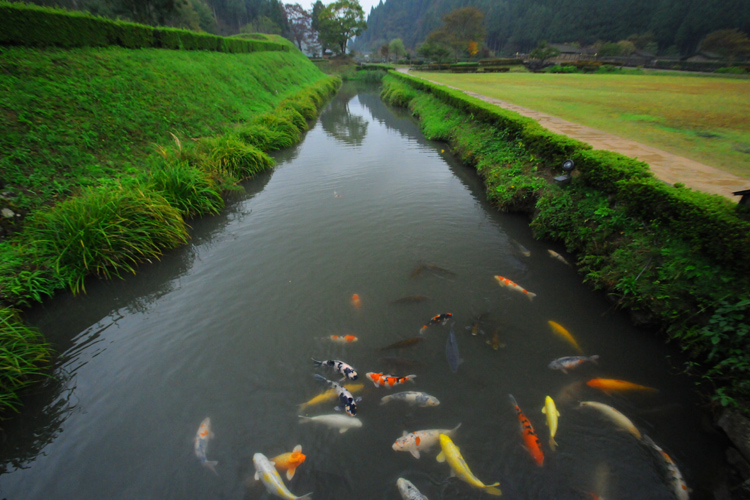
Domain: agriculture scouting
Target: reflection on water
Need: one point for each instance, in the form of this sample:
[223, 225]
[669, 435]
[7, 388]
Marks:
[226, 328]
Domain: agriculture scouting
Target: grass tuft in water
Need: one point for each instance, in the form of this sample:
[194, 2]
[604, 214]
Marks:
[23, 354]
[186, 188]
[104, 231]
[228, 155]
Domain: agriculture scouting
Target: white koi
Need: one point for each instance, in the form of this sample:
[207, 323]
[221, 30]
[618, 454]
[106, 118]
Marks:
[679, 487]
[417, 441]
[412, 398]
[335, 421]
[409, 491]
[614, 416]
[201, 444]
[267, 473]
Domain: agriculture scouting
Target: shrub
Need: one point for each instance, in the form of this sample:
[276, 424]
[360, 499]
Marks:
[104, 231]
[186, 188]
[23, 358]
[228, 155]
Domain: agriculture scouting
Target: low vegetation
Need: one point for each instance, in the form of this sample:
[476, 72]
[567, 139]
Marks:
[661, 252]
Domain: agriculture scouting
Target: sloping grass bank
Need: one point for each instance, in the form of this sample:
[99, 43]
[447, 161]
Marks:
[658, 251]
[107, 152]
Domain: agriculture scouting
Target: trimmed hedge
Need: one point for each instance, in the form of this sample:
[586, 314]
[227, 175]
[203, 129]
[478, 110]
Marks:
[30, 25]
[709, 223]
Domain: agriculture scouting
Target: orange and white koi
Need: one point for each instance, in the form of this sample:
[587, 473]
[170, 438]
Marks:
[677, 483]
[559, 330]
[381, 380]
[513, 286]
[201, 444]
[607, 385]
[440, 318]
[356, 302]
[424, 440]
[289, 461]
[530, 438]
[342, 339]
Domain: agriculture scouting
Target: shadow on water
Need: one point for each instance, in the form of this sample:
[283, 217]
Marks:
[75, 324]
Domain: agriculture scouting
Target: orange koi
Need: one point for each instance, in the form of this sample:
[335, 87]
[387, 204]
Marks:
[356, 302]
[342, 339]
[529, 436]
[381, 380]
[607, 384]
[513, 286]
[289, 461]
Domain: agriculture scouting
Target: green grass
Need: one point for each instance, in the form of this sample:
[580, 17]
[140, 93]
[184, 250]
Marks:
[706, 119]
[72, 117]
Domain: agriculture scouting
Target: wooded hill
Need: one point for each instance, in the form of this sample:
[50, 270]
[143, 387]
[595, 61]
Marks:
[519, 25]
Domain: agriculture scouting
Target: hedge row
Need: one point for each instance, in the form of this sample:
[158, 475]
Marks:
[710, 223]
[30, 25]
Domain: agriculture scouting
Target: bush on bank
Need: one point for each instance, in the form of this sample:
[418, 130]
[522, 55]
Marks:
[653, 249]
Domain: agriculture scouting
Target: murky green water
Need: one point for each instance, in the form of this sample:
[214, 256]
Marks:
[225, 328]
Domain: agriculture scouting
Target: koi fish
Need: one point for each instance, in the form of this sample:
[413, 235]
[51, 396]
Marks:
[676, 481]
[339, 367]
[440, 318]
[334, 421]
[451, 351]
[408, 491]
[513, 286]
[381, 380]
[348, 403]
[557, 256]
[289, 461]
[570, 362]
[551, 411]
[435, 269]
[411, 299]
[521, 249]
[613, 415]
[495, 342]
[412, 398]
[403, 343]
[342, 339]
[417, 441]
[452, 455]
[330, 395]
[607, 384]
[267, 473]
[529, 436]
[477, 322]
[558, 329]
[399, 363]
[356, 302]
[201, 444]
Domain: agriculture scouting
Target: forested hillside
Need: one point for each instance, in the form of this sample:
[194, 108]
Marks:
[519, 25]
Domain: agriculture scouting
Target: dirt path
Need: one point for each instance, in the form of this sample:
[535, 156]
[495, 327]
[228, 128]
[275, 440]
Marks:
[666, 166]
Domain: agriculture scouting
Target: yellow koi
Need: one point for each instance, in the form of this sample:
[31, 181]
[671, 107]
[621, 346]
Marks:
[330, 395]
[551, 411]
[458, 465]
[558, 329]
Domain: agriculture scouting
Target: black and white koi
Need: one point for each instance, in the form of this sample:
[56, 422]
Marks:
[339, 367]
[348, 402]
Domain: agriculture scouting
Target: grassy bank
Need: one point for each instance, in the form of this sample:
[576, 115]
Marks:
[706, 119]
[644, 260]
[108, 152]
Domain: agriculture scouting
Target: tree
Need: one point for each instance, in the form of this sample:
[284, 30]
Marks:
[464, 26]
[729, 43]
[543, 52]
[300, 22]
[385, 51]
[339, 22]
[396, 48]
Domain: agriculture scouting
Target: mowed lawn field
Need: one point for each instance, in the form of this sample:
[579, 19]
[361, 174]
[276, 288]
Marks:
[706, 119]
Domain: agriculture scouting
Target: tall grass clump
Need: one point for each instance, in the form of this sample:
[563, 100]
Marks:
[23, 354]
[228, 155]
[104, 231]
[186, 188]
[302, 105]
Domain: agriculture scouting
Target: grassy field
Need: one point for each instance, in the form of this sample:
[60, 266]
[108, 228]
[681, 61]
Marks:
[704, 119]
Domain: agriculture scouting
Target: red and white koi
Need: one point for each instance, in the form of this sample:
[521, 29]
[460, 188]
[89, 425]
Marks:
[202, 437]
[513, 286]
[381, 380]
[530, 438]
[679, 487]
[341, 339]
[417, 441]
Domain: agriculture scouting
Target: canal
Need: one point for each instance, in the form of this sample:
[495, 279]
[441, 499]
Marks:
[226, 328]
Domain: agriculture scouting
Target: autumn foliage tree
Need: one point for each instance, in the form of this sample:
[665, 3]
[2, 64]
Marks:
[460, 28]
[730, 44]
